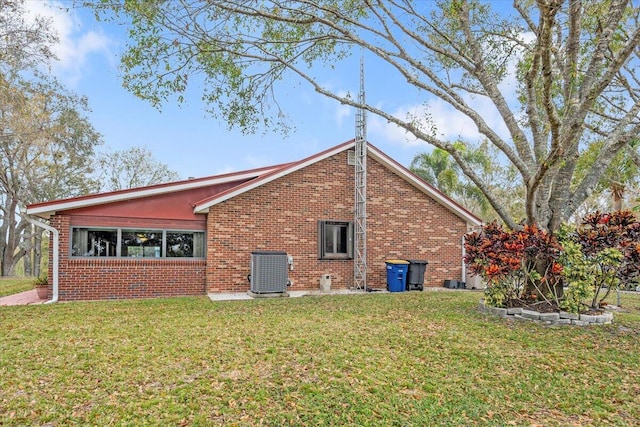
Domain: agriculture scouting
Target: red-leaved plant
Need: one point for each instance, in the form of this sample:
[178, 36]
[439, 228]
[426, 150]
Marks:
[517, 266]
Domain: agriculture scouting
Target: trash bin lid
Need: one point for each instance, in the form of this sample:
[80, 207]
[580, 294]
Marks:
[397, 261]
[417, 261]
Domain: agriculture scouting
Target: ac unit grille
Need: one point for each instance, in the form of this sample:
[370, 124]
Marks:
[269, 272]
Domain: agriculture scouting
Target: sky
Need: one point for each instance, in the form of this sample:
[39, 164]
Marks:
[194, 144]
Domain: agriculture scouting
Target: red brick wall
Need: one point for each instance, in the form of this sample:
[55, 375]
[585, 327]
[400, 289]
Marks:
[282, 215]
[104, 278]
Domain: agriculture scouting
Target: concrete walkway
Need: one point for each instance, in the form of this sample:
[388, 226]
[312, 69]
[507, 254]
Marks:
[239, 296]
[23, 298]
[31, 297]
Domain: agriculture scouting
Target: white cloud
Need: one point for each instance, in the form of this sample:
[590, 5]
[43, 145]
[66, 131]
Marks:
[437, 118]
[380, 130]
[75, 44]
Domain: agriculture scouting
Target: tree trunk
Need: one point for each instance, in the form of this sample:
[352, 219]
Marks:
[9, 225]
[37, 252]
[552, 290]
[27, 262]
[3, 238]
[21, 243]
[617, 193]
[27, 238]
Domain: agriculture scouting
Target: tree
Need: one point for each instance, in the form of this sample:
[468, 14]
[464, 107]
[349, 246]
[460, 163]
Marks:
[621, 174]
[602, 252]
[517, 265]
[135, 167]
[46, 145]
[440, 170]
[47, 150]
[23, 43]
[576, 65]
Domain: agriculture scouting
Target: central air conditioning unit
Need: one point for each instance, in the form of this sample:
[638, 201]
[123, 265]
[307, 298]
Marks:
[269, 272]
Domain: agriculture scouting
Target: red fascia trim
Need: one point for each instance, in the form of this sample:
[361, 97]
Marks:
[167, 185]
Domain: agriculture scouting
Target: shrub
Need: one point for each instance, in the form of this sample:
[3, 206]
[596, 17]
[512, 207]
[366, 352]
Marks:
[585, 275]
[600, 254]
[41, 281]
[517, 265]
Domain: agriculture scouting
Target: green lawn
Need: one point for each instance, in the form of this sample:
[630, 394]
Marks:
[14, 285]
[405, 359]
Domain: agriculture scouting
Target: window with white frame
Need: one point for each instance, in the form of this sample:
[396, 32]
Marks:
[335, 240]
[136, 243]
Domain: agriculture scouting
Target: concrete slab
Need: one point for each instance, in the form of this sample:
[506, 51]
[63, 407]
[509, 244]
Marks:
[295, 294]
[229, 296]
[22, 298]
[298, 294]
[269, 295]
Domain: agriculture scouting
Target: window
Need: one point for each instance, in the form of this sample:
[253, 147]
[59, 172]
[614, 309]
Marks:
[97, 243]
[335, 240]
[185, 244]
[142, 243]
[131, 243]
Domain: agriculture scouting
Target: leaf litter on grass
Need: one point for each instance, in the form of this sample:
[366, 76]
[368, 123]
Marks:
[412, 359]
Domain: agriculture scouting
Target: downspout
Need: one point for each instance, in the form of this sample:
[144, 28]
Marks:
[56, 238]
[464, 266]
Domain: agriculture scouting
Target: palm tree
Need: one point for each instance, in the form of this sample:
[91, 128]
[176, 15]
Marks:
[439, 169]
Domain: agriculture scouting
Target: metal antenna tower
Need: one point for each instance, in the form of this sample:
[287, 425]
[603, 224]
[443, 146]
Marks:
[360, 232]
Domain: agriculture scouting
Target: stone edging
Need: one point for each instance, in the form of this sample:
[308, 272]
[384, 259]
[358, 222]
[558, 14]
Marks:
[558, 318]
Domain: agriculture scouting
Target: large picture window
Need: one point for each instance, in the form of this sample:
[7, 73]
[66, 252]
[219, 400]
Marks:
[133, 243]
[335, 240]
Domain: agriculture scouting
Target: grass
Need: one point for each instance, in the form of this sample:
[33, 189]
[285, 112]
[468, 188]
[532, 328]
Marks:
[427, 358]
[14, 285]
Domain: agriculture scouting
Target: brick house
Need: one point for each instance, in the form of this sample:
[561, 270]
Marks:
[196, 236]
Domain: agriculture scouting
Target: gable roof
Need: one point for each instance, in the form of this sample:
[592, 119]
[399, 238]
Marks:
[250, 179]
[47, 209]
[204, 205]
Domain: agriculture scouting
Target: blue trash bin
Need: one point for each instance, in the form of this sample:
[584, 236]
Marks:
[397, 274]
